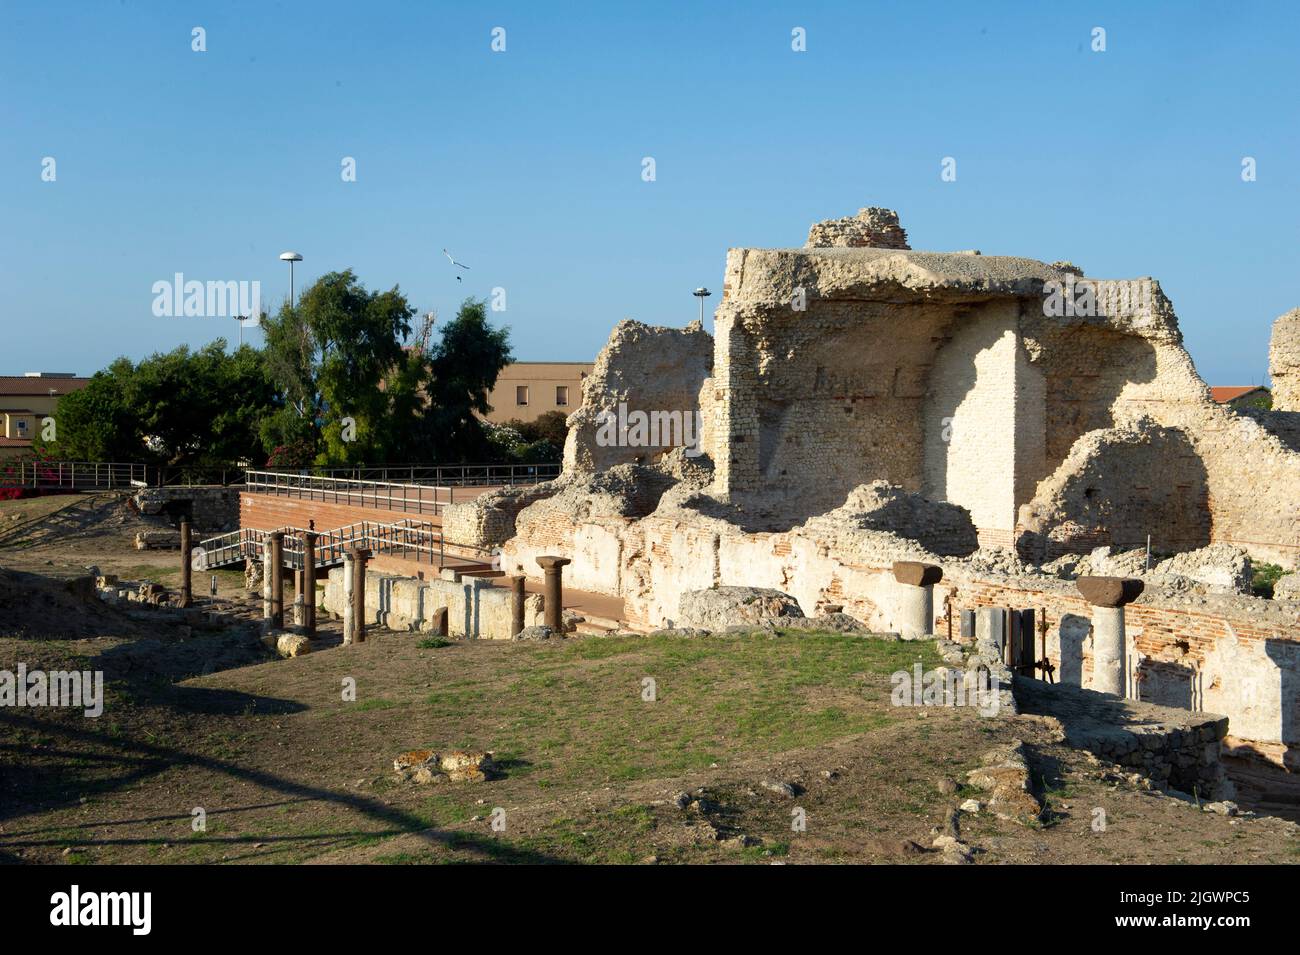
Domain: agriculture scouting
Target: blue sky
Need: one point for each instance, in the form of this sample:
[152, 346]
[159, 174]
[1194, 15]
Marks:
[527, 164]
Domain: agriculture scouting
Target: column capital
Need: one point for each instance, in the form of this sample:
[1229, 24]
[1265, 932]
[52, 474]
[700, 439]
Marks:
[1110, 591]
[916, 573]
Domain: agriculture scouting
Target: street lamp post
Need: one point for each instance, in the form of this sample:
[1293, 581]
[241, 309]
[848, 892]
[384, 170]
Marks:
[701, 294]
[290, 257]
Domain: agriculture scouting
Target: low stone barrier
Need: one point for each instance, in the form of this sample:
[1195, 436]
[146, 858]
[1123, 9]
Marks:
[1175, 748]
[475, 609]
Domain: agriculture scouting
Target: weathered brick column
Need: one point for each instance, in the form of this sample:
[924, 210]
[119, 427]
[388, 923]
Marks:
[554, 594]
[516, 605]
[1108, 595]
[187, 556]
[309, 563]
[359, 557]
[277, 580]
[916, 597]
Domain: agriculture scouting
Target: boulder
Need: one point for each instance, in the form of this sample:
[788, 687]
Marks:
[1219, 566]
[425, 766]
[292, 645]
[721, 607]
[1287, 587]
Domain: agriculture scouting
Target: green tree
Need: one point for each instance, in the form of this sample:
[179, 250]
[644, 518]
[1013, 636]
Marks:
[96, 423]
[460, 373]
[177, 407]
[330, 358]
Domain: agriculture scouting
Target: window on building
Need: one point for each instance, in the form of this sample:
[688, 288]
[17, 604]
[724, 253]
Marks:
[521, 394]
[561, 395]
[22, 427]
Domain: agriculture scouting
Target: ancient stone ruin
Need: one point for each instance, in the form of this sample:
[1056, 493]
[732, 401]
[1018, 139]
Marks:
[1011, 423]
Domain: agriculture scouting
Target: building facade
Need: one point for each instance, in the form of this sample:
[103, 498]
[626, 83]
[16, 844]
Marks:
[25, 401]
[526, 390]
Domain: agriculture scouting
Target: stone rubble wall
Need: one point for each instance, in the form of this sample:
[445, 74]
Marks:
[872, 227]
[212, 509]
[489, 520]
[1284, 361]
[1172, 747]
[642, 368]
[951, 375]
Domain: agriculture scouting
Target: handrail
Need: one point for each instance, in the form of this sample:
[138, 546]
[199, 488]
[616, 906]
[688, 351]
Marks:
[398, 537]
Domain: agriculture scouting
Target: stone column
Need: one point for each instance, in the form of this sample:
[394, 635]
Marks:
[267, 563]
[277, 580]
[1108, 596]
[516, 605]
[187, 552]
[349, 622]
[554, 591]
[359, 557]
[299, 606]
[916, 597]
[309, 562]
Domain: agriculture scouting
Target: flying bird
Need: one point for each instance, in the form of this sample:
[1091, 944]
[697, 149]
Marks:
[454, 262]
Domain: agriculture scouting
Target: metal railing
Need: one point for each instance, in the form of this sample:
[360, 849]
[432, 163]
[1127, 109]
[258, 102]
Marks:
[407, 498]
[73, 475]
[407, 539]
[104, 475]
[443, 475]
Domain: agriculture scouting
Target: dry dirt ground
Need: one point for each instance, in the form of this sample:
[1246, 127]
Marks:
[284, 769]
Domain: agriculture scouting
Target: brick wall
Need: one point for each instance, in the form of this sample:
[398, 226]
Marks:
[267, 512]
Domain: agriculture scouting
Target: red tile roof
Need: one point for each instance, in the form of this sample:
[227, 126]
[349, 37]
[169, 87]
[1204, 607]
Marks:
[15, 442]
[22, 385]
[1225, 393]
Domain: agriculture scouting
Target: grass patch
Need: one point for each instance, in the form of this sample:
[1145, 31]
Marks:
[579, 713]
[1265, 578]
[433, 643]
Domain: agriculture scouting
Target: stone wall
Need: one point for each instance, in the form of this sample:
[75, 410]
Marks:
[475, 608]
[211, 509]
[642, 370]
[1116, 487]
[1172, 747]
[872, 227]
[1235, 655]
[1284, 361]
[489, 520]
[984, 421]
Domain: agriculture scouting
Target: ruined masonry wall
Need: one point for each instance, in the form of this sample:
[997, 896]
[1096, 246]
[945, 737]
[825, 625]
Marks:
[1284, 361]
[1235, 656]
